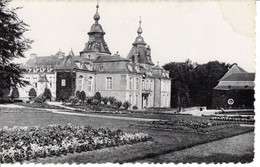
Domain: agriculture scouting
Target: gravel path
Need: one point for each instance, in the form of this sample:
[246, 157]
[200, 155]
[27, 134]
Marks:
[234, 149]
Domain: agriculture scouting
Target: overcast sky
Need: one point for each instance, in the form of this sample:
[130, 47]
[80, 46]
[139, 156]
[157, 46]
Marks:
[201, 31]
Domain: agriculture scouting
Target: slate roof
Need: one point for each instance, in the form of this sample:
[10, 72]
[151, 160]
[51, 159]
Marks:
[141, 51]
[67, 64]
[236, 79]
[240, 77]
[44, 61]
[110, 59]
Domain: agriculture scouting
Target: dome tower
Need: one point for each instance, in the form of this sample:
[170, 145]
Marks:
[96, 45]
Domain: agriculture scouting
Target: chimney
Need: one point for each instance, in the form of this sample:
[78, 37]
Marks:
[33, 55]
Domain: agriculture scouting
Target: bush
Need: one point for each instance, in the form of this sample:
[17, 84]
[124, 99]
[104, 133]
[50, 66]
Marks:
[111, 100]
[117, 104]
[82, 96]
[126, 104]
[105, 100]
[97, 96]
[15, 94]
[32, 92]
[40, 99]
[135, 108]
[78, 94]
[74, 100]
[89, 100]
[95, 102]
[47, 93]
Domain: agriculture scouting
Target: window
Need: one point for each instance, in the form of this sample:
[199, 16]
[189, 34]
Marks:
[50, 84]
[137, 99]
[80, 80]
[109, 85]
[130, 99]
[63, 82]
[143, 85]
[151, 84]
[137, 83]
[130, 83]
[90, 84]
[36, 85]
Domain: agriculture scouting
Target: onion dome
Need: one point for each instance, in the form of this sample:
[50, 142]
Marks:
[96, 16]
[139, 40]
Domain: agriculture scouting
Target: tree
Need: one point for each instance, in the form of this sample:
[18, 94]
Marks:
[105, 100]
[126, 104]
[82, 96]
[32, 93]
[78, 94]
[192, 83]
[47, 93]
[15, 93]
[111, 100]
[97, 96]
[13, 44]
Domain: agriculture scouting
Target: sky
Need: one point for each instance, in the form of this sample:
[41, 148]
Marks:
[199, 30]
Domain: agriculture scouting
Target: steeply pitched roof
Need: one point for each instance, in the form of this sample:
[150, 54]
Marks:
[236, 78]
[44, 61]
[142, 52]
[234, 69]
[113, 58]
[67, 64]
[240, 77]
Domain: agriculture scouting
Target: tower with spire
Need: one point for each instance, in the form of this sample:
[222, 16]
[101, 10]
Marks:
[96, 45]
[140, 53]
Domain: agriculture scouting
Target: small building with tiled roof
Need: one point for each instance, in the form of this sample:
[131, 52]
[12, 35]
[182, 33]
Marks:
[238, 85]
[135, 78]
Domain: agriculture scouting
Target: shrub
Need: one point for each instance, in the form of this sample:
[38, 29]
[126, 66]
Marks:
[40, 99]
[117, 104]
[89, 100]
[82, 96]
[135, 108]
[32, 92]
[95, 102]
[126, 104]
[111, 100]
[78, 94]
[74, 100]
[97, 96]
[15, 94]
[47, 93]
[105, 100]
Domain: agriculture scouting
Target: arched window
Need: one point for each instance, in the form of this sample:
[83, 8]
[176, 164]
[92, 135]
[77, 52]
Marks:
[90, 83]
[80, 83]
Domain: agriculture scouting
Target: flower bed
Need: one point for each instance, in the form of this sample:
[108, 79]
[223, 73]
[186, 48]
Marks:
[22, 143]
[234, 118]
[184, 125]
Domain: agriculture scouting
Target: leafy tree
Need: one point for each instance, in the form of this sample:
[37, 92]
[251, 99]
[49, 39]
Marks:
[97, 96]
[111, 100]
[192, 83]
[126, 104]
[47, 93]
[117, 104]
[105, 100]
[78, 93]
[15, 93]
[82, 96]
[32, 93]
[13, 44]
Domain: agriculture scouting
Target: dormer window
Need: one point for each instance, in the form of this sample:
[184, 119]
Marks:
[50, 69]
[36, 69]
[42, 69]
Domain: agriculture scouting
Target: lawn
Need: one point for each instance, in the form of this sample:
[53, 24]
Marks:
[165, 141]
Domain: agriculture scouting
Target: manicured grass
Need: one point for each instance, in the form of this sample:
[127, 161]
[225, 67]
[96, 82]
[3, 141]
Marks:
[164, 141]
